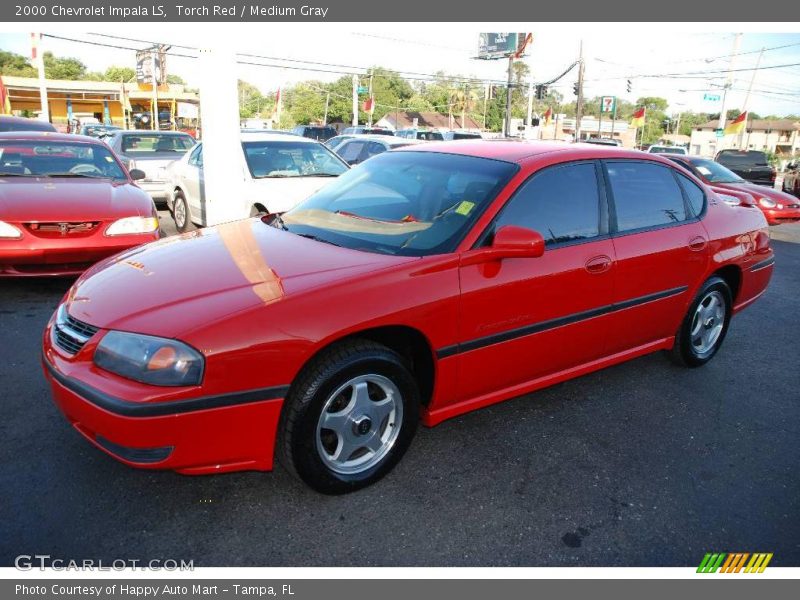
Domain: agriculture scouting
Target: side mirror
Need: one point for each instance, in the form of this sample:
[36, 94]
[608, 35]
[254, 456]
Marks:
[353, 161]
[137, 174]
[510, 241]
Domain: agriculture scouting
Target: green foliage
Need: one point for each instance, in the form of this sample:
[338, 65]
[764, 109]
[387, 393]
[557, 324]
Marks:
[15, 64]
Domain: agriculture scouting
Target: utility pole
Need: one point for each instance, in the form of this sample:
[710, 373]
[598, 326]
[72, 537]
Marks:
[530, 104]
[747, 98]
[154, 78]
[507, 128]
[355, 100]
[327, 102]
[579, 102]
[38, 57]
[486, 93]
[723, 113]
[369, 95]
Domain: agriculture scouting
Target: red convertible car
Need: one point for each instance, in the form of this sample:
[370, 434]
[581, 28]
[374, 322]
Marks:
[778, 207]
[423, 284]
[66, 202]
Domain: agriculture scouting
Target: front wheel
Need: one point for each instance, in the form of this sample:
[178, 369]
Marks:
[349, 418]
[703, 329]
[181, 214]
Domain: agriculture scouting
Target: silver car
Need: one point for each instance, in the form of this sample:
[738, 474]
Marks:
[150, 152]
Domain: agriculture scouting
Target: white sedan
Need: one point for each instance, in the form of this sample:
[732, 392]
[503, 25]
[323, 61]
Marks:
[281, 171]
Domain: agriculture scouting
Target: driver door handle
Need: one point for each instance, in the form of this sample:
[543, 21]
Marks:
[598, 264]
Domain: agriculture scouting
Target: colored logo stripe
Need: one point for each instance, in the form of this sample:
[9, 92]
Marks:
[734, 562]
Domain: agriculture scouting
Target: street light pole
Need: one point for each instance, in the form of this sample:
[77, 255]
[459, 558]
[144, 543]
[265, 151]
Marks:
[507, 131]
[579, 102]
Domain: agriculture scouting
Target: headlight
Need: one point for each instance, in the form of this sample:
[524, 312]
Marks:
[8, 231]
[767, 203]
[153, 360]
[133, 225]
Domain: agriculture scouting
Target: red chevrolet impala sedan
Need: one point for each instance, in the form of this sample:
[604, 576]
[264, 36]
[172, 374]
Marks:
[778, 207]
[423, 284]
[65, 203]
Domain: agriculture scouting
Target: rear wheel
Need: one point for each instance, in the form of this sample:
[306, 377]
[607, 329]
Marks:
[349, 418]
[181, 214]
[705, 325]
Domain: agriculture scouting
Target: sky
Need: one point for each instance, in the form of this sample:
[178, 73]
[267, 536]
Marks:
[667, 60]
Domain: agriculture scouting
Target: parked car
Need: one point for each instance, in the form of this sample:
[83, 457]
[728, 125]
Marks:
[10, 123]
[427, 135]
[364, 130]
[461, 135]
[421, 285]
[751, 165]
[65, 203]
[360, 148]
[778, 207]
[150, 152]
[791, 179]
[335, 141]
[656, 149]
[279, 171]
[315, 132]
[98, 131]
[603, 142]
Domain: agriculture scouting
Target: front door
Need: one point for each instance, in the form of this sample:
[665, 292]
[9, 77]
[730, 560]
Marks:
[526, 318]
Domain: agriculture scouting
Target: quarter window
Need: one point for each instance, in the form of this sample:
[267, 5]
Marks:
[561, 203]
[694, 193]
[645, 195]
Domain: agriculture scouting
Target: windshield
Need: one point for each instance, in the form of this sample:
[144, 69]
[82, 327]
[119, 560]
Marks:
[23, 158]
[151, 144]
[715, 172]
[402, 203]
[749, 158]
[291, 159]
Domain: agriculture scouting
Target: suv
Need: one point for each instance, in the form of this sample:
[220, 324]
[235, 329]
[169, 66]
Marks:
[791, 179]
[750, 165]
[315, 132]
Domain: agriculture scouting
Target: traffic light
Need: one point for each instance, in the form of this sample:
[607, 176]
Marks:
[630, 86]
[492, 92]
[541, 92]
[575, 87]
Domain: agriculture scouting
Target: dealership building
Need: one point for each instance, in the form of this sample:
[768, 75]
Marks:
[105, 101]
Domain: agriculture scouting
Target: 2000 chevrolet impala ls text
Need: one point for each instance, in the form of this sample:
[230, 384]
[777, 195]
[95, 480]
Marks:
[422, 284]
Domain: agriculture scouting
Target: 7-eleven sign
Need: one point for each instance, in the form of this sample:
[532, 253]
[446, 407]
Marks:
[608, 104]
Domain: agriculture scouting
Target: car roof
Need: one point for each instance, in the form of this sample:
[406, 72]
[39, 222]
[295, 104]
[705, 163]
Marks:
[518, 151]
[258, 136]
[147, 132]
[389, 140]
[50, 136]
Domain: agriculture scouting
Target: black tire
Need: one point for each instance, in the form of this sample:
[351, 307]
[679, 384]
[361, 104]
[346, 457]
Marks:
[684, 351]
[297, 439]
[187, 224]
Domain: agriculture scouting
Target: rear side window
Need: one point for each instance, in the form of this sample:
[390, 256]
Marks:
[645, 195]
[562, 203]
[351, 151]
[694, 194]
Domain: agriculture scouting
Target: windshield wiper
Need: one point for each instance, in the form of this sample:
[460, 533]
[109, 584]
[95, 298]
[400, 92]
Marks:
[75, 175]
[316, 238]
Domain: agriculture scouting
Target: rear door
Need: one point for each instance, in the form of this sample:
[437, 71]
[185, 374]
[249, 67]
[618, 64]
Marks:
[661, 249]
[193, 185]
[526, 318]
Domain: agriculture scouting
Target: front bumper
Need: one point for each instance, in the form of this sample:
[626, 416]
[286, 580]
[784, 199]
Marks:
[198, 435]
[34, 257]
[778, 216]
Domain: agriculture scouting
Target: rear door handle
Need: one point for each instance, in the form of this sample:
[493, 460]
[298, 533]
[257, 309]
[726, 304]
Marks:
[598, 264]
[697, 244]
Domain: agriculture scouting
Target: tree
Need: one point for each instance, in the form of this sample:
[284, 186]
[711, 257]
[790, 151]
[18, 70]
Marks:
[15, 64]
[251, 101]
[121, 74]
[175, 79]
[63, 68]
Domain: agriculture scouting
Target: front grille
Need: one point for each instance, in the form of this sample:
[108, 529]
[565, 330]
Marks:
[71, 334]
[62, 228]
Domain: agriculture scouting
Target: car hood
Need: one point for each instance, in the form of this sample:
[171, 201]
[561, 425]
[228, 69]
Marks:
[177, 284]
[280, 194]
[761, 191]
[67, 199]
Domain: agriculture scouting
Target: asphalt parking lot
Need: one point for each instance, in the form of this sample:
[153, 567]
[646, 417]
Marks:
[642, 464]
